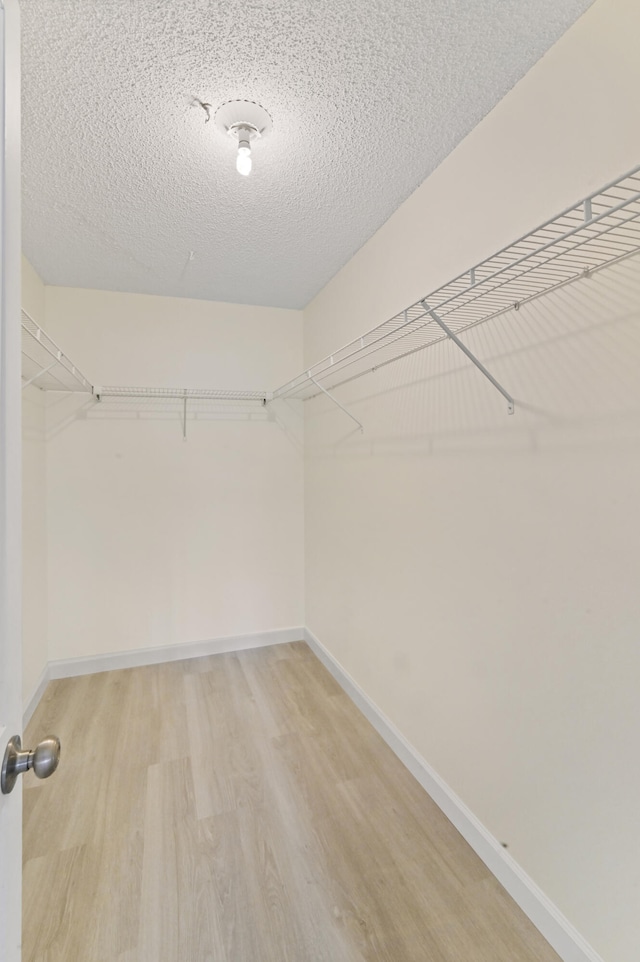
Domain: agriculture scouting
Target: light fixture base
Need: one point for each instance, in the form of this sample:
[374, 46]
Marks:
[243, 133]
[237, 116]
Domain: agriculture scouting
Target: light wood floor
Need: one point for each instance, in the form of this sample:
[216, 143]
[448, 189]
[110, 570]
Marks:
[238, 808]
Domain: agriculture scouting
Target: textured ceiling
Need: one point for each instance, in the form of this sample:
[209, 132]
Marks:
[126, 188]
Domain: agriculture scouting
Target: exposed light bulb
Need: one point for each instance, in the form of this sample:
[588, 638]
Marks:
[243, 160]
[244, 122]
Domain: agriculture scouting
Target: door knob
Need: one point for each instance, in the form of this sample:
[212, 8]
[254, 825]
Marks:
[43, 759]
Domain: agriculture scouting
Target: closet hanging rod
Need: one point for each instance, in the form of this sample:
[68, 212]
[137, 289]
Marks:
[598, 231]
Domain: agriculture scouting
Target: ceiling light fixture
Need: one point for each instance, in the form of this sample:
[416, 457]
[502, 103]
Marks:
[244, 121]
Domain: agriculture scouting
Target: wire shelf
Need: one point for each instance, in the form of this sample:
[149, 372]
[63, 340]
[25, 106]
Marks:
[179, 394]
[594, 233]
[45, 366]
[188, 398]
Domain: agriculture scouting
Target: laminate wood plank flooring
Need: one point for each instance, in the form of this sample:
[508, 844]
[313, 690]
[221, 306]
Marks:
[239, 808]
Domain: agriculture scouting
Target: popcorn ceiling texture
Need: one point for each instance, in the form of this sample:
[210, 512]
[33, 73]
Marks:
[123, 179]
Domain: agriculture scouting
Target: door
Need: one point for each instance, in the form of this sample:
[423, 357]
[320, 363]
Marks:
[10, 475]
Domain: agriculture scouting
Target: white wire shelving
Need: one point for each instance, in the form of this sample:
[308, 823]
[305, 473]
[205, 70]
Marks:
[186, 396]
[597, 232]
[45, 365]
[180, 394]
[594, 233]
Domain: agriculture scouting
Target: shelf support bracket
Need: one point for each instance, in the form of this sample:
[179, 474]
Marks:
[39, 374]
[335, 401]
[474, 360]
[184, 417]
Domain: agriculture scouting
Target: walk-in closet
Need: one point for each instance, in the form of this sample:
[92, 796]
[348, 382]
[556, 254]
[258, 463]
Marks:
[320, 468]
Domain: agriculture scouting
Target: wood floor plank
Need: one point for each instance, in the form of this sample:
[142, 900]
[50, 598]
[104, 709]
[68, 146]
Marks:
[307, 880]
[239, 808]
[58, 891]
[177, 920]
[90, 715]
[222, 732]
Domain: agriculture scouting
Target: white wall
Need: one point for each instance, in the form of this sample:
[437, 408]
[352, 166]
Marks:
[34, 526]
[478, 574]
[153, 540]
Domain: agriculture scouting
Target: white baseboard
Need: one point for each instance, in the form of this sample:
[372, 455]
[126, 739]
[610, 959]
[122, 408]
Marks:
[36, 695]
[549, 921]
[70, 667]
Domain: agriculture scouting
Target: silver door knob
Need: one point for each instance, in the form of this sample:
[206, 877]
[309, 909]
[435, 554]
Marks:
[43, 759]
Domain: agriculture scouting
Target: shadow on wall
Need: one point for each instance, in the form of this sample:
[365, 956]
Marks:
[570, 359]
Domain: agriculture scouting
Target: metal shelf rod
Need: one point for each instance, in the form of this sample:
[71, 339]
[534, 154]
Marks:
[474, 360]
[184, 417]
[35, 377]
[335, 401]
